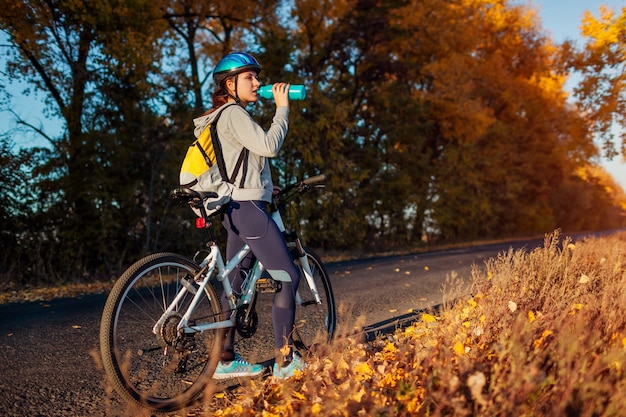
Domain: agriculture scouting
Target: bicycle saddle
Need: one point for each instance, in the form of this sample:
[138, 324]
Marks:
[187, 195]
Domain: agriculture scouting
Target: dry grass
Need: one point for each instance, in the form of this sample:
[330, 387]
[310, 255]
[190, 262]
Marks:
[544, 334]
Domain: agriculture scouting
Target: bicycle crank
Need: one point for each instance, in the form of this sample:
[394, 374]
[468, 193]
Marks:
[246, 324]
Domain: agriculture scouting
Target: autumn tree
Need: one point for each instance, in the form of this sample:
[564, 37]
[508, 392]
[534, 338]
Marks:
[500, 132]
[602, 65]
[589, 189]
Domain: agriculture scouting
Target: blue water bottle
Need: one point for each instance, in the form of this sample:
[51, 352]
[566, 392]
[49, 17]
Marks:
[296, 92]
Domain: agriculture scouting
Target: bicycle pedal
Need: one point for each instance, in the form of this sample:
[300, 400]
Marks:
[267, 286]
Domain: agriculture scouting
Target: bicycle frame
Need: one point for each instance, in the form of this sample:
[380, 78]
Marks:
[165, 321]
[213, 266]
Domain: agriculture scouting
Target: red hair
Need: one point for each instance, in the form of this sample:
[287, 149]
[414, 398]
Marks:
[220, 97]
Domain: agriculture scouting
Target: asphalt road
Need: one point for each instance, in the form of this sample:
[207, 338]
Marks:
[49, 358]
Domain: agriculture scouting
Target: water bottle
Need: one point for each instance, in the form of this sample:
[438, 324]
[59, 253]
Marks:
[296, 91]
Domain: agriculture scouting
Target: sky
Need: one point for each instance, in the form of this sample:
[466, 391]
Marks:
[560, 19]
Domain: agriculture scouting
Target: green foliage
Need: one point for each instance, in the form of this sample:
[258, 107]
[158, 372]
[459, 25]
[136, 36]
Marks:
[432, 119]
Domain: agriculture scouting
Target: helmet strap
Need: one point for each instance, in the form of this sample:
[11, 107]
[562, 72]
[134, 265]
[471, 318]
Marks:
[236, 96]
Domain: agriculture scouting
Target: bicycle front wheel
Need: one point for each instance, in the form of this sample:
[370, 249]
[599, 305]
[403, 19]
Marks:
[153, 365]
[314, 322]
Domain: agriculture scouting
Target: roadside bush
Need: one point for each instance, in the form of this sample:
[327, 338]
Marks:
[542, 334]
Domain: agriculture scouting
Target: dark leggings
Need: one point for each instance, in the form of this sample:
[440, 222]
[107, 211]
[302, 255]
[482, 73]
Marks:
[249, 222]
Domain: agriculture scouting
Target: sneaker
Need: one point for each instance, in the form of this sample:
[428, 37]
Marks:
[236, 368]
[283, 372]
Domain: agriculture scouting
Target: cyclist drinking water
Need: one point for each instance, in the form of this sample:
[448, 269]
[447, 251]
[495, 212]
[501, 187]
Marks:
[246, 218]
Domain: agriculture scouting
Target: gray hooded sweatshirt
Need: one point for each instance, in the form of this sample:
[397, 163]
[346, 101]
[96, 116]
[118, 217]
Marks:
[236, 129]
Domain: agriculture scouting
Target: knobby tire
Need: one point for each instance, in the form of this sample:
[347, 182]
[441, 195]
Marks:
[167, 371]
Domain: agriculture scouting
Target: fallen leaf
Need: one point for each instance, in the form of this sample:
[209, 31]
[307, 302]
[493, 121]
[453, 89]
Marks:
[459, 348]
[429, 318]
[475, 383]
[299, 395]
[512, 306]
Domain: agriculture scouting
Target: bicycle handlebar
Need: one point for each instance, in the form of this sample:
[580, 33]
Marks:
[315, 179]
[303, 185]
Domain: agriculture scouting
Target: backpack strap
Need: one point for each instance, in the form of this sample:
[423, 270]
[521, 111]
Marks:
[245, 166]
[219, 156]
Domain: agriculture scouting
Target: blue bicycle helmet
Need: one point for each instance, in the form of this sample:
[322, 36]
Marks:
[234, 63]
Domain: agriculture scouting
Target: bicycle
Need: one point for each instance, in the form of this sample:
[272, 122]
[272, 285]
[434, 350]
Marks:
[162, 326]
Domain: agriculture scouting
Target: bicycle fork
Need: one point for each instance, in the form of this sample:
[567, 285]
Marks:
[302, 257]
[293, 241]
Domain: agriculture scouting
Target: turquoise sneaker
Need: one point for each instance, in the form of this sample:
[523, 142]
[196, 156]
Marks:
[237, 368]
[283, 372]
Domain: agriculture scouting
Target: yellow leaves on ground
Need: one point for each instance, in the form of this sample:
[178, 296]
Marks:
[429, 318]
[285, 350]
[576, 307]
[389, 351]
[298, 395]
[501, 352]
[459, 348]
[46, 294]
[541, 340]
[316, 409]
[363, 371]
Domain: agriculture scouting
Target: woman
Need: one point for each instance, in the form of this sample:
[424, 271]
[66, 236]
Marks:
[246, 218]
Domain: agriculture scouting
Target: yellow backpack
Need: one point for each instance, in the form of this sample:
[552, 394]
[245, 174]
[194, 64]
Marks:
[203, 168]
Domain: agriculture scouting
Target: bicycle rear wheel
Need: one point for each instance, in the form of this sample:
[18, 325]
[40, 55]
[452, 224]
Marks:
[162, 370]
[315, 323]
